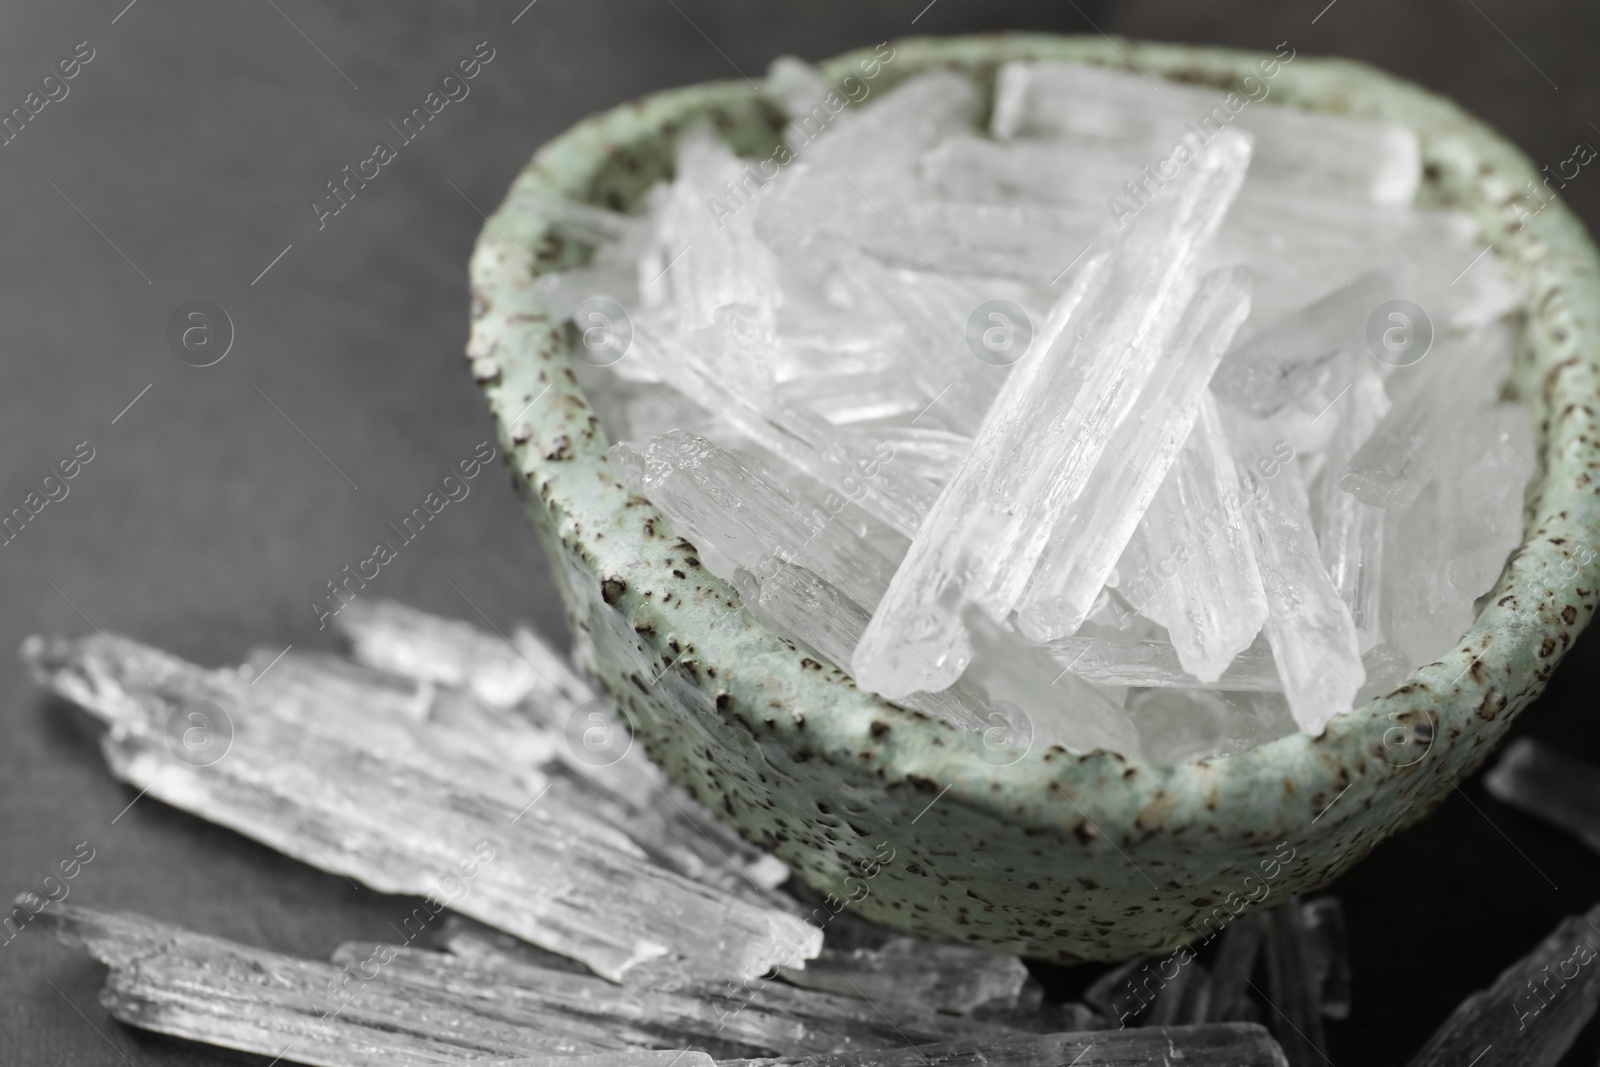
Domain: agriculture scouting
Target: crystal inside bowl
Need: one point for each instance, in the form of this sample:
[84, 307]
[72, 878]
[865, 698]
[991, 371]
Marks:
[1043, 853]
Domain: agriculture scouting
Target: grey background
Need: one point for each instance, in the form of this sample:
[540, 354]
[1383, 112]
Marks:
[182, 162]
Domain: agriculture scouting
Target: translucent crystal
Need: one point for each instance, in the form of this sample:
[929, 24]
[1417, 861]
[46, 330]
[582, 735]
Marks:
[1350, 531]
[188, 985]
[1212, 1045]
[741, 515]
[1028, 703]
[752, 1017]
[1095, 527]
[404, 641]
[1232, 967]
[1544, 781]
[1294, 989]
[1199, 576]
[1034, 702]
[1301, 245]
[993, 521]
[1532, 1012]
[844, 177]
[382, 1003]
[624, 1058]
[1178, 726]
[797, 604]
[1432, 397]
[1319, 153]
[1328, 954]
[1154, 662]
[799, 87]
[1309, 627]
[1446, 548]
[347, 775]
[1275, 365]
[851, 464]
[948, 978]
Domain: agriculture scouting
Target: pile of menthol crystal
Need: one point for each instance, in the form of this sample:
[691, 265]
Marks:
[1146, 417]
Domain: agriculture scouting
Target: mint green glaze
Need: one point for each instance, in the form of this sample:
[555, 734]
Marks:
[1058, 856]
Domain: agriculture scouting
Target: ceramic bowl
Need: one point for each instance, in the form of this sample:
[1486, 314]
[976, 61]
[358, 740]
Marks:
[1056, 855]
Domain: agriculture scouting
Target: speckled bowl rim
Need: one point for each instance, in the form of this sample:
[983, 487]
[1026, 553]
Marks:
[1380, 767]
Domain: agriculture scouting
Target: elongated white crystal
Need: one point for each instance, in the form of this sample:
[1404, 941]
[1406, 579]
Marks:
[188, 985]
[1182, 725]
[384, 1003]
[1052, 706]
[845, 177]
[792, 601]
[1328, 954]
[1294, 988]
[1300, 245]
[1283, 361]
[1531, 1014]
[346, 775]
[949, 978]
[1094, 529]
[854, 465]
[1546, 782]
[625, 1058]
[402, 640]
[1154, 662]
[1043, 437]
[1167, 123]
[740, 515]
[1312, 635]
[1211, 1045]
[524, 673]
[1350, 531]
[1201, 582]
[1446, 548]
[754, 1016]
[1408, 446]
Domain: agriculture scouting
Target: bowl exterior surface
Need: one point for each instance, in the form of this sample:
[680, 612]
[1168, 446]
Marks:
[1052, 855]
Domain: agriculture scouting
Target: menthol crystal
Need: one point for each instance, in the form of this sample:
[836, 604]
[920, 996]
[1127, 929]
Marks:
[951, 403]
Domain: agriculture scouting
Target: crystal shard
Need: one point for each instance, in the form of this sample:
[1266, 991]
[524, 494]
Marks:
[740, 515]
[377, 1004]
[1407, 447]
[1211, 1045]
[993, 520]
[1202, 580]
[1154, 663]
[1275, 365]
[171, 981]
[1294, 989]
[348, 778]
[1312, 634]
[1095, 528]
[1328, 954]
[1532, 1012]
[947, 978]
[1178, 726]
[1445, 549]
[1349, 530]
[624, 1058]
[1542, 780]
[1324, 155]
[754, 1016]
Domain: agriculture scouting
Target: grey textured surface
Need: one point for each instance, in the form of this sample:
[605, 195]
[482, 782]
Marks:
[207, 522]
